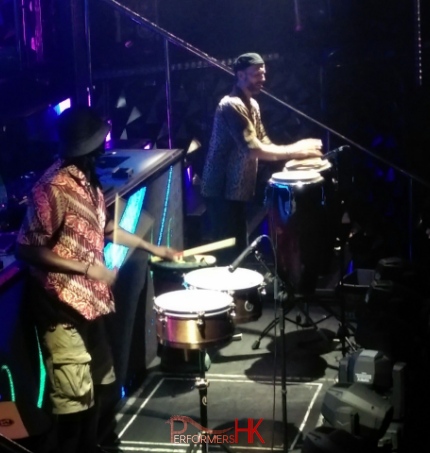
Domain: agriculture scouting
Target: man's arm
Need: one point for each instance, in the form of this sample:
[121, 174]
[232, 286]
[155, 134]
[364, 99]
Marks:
[40, 256]
[123, 237]
[303, 149]
[244, 133]
[45, 258]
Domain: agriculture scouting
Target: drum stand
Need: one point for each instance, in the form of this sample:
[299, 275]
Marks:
[287, 303]
[281, 299]
[344, 331]
[202, 385]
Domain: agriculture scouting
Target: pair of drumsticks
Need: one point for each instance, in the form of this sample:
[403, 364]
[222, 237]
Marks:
[200, 250]
[190, 252]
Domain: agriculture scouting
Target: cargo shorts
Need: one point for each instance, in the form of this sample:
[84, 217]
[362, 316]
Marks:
[77, 359]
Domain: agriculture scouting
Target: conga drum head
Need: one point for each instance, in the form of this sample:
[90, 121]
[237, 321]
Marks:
[315, 163]
[243, 284]
[194, 319]
[296, 177]
[169, 275]
[186, 263]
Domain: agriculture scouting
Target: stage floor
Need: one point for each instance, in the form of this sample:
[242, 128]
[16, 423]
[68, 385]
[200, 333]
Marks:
[245, 386]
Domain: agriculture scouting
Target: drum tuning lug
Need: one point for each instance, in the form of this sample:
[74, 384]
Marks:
[200, 320]
[233, 310]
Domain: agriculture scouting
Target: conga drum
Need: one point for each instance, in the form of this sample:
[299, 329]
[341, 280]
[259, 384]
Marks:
[169, 275]
[299, 227]
[332, 210]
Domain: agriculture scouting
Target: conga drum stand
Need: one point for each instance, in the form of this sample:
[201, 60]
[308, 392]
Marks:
[202, 385]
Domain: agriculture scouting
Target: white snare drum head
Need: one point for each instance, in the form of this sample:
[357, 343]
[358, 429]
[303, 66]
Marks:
[221, 279]
[188, 303]
[291, 176]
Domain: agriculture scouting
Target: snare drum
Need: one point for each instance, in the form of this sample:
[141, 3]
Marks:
[194, 319]
[299, 226]
[244, 285]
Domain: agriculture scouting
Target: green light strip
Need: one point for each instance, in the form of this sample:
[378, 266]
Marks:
[42, 373]
[166, 203]
[11, 385]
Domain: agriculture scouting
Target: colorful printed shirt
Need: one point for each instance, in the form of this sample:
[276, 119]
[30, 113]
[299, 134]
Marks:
[230, 171]
[64, 215]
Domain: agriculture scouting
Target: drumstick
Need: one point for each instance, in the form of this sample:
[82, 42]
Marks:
[204, 248]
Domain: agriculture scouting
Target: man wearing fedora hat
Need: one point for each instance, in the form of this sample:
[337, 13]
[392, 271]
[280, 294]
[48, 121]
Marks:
[62, 238]
[238, 141]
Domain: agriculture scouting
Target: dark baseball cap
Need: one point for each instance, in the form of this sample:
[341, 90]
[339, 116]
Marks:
[245, 60]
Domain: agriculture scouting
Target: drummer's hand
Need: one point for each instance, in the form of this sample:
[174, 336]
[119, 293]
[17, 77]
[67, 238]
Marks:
[167, 253]
[307, 148]
[102, 274]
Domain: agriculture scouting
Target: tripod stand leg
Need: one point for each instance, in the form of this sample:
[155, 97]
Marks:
[202, 384]
[266, 330]
[284, 374]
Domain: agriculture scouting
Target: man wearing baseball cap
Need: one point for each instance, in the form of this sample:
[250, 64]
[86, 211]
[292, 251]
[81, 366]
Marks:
[238, 141]
[62, 238]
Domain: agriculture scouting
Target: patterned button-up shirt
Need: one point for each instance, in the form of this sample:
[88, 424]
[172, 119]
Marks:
[230, 171]
[64, 215]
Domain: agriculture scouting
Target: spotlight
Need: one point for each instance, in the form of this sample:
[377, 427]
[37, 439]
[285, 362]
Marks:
[366, 367]
[375, 369]
[325, 439]
[357, 409]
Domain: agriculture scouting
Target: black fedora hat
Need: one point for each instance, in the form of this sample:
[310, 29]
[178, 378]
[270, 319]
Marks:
[81, 130]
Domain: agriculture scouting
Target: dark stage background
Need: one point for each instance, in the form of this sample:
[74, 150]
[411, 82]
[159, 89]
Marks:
[360, 67]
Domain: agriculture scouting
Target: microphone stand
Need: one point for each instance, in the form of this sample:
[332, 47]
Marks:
[281, 298]
[343, 331]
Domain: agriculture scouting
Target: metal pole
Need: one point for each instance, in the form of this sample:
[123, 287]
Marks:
[88, 44]
[168, 92]
[418, 44]
[18, 12]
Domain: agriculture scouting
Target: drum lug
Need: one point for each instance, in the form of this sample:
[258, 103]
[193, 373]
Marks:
[200, 318]
[233, 310]
[262, 289]
[161, 316]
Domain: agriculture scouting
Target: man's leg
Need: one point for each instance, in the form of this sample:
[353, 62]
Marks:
[71, 387]
[103, 376]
